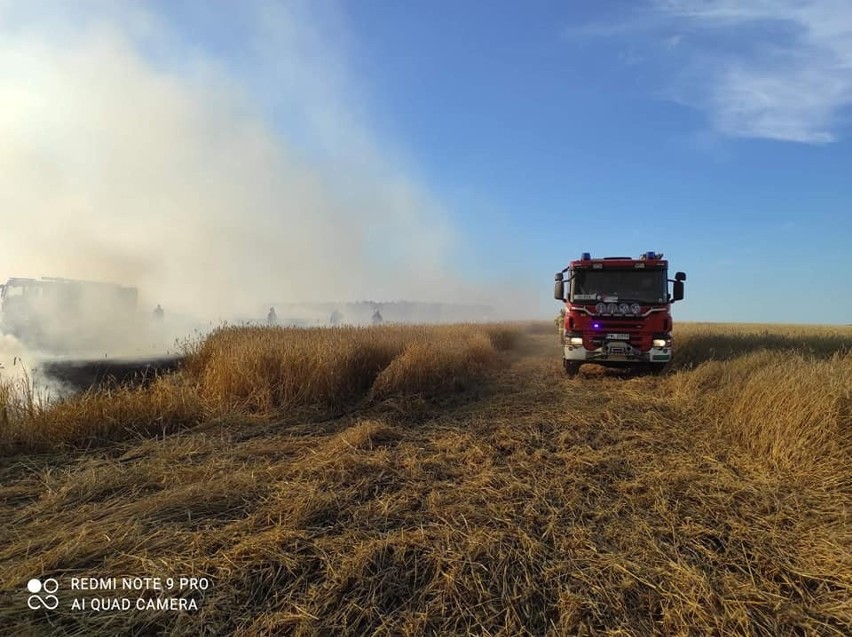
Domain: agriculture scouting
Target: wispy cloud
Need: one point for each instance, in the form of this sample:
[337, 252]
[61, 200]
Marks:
[771, 69]
[786, 73]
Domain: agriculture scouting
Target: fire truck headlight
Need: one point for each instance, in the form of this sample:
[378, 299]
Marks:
[659, 342]
[575, 340]
[636, 308]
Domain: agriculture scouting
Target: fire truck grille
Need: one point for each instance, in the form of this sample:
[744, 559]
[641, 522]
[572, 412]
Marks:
[615, 325]
[620, 326]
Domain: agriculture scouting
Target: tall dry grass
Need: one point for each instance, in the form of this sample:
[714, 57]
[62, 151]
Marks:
[263, 369]
[790, 409]
[29, 424]
[711, 501]
[784, 393]
[259, 371]
[696, 343]
[424, 367]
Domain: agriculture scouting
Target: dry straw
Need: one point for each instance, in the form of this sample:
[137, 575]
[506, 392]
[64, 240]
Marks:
[711, 501]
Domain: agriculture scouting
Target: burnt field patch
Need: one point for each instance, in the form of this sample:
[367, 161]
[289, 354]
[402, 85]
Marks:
[85, 374]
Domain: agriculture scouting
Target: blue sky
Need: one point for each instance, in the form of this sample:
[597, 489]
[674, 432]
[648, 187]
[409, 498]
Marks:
[535, 131]
[549, 137]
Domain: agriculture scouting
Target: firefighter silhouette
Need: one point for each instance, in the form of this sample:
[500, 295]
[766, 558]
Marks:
[560, 320]
[158, 312]
[272, 317]
[335, 318]
[377, 317]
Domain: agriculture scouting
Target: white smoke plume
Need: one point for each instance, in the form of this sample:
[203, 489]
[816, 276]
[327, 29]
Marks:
[131, 156]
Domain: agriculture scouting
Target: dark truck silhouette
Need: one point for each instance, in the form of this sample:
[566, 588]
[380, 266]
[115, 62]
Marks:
[52, 313]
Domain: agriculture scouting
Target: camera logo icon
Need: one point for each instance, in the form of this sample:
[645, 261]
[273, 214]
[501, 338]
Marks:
[43, 594]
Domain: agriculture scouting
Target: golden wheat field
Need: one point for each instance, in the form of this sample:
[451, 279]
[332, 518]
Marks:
[443, 480]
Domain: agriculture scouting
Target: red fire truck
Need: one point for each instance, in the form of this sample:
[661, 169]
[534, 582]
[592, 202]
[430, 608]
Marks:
[617, 311]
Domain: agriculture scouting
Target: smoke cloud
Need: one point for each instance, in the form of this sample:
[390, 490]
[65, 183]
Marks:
[130, 156]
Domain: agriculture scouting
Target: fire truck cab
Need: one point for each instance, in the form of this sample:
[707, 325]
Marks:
[617, 311]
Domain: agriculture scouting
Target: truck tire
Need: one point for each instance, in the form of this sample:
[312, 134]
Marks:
[657, 368]
[571, 367]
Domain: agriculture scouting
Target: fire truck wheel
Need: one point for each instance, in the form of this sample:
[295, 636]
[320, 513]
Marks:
[657, 368]
[571, 367]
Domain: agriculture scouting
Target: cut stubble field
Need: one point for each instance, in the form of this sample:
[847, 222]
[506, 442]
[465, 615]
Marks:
[446, 480]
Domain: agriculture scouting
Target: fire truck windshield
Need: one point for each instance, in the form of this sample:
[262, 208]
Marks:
[638, 286]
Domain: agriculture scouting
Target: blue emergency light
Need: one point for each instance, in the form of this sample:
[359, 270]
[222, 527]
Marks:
[586, 256]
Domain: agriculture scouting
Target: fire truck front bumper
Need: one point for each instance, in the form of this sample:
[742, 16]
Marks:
[617, 353]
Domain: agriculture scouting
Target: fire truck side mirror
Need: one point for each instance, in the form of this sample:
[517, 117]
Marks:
[680, 276]
[559, 288]
[678, 291]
